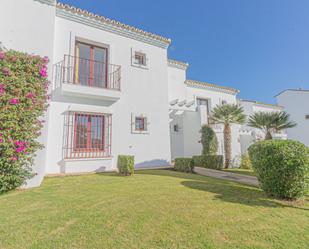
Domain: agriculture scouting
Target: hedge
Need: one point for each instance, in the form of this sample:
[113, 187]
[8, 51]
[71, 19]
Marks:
[209, 161]
[184, 165]
[281, 167]
[125, 165]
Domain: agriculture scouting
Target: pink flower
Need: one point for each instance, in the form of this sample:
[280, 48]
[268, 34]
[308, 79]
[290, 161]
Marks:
[20, 149]
[1, 89]
[14, 58]
[6, 71]
[45, 59]
[2, 55]
[1, 140]
[43, 72]
[30, 95]
[14, 158]
[14, 101]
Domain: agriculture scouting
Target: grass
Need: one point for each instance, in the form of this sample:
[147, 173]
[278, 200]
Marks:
[153, 209]
[248, 172]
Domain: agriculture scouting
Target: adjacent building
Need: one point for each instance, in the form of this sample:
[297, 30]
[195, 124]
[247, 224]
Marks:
[249, 135]
[190, 104]
[296, 103]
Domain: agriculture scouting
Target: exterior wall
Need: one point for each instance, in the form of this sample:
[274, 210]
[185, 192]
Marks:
[295, 103]
[31, 32]
[186, 142]
[143, 91]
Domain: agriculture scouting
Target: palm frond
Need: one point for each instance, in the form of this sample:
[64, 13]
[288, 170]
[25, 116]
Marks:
[228, 113]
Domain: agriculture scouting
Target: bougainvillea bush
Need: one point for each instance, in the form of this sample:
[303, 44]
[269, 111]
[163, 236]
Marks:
[23, 101]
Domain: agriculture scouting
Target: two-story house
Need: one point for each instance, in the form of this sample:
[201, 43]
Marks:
[109, 87]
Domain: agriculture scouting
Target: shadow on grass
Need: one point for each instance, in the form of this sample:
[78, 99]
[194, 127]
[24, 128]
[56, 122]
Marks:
[225, 190]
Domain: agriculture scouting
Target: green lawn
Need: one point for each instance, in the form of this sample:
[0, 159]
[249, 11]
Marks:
[248, 172]
[153, 209]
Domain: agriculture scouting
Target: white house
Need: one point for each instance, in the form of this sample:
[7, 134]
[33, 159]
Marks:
[190, 104]
[109, 87]
[249, 135]
[296, 103]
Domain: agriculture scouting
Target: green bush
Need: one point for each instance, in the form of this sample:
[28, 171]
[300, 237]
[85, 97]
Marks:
[245, 162]
[23, 101]
[281, 167]
[184, 164]
[125, 165]
[210, 161]
[209, 140]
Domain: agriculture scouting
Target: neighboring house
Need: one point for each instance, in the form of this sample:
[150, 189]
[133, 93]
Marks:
[296, 103]
[190, 104]
[250, 135]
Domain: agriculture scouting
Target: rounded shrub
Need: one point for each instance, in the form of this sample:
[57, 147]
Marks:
[245, 162]
[281, 166]
[125, 165]
[209, 140]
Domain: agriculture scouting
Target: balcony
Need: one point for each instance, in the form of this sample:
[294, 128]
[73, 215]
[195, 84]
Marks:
[88, 78]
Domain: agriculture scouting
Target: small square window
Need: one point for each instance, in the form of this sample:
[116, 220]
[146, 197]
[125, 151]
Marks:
[307, 117]
[140, 58]
[140, 124]
[176, 128]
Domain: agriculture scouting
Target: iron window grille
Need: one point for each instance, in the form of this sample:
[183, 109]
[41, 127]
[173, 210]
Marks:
[87, 135]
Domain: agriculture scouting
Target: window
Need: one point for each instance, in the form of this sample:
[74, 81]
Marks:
[91, 68]
[223, 102]
[176, 128]
[87, 135]
[140, 58]
[140, 123]
[203, 102]
[307, 117]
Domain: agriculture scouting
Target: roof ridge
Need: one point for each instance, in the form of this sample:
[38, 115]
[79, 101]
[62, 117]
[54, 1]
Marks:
[180, 64]
[111, 21]
[201, 83]
[261, 103]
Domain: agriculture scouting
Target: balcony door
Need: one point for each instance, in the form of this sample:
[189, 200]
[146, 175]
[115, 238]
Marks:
[91, 68]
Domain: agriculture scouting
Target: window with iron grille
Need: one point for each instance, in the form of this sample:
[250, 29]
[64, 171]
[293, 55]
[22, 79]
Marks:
[87, 135]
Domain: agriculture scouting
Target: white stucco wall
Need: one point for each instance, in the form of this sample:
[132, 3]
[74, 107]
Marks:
[296, 103]
[28, 26]
[143, 91]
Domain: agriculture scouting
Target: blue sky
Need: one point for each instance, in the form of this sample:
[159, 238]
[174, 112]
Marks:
[258, 46]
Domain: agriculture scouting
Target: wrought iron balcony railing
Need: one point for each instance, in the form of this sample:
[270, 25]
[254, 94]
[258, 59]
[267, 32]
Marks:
[85, 72]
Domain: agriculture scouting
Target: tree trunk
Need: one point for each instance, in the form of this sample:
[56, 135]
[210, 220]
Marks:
[268, 135]
[227, 145]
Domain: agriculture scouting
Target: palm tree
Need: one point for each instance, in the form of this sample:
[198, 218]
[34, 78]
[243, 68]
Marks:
[270, 122]
[228, 114]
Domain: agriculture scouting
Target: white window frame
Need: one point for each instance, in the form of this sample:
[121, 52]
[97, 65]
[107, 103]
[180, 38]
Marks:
[133, 127]
[133, 60]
